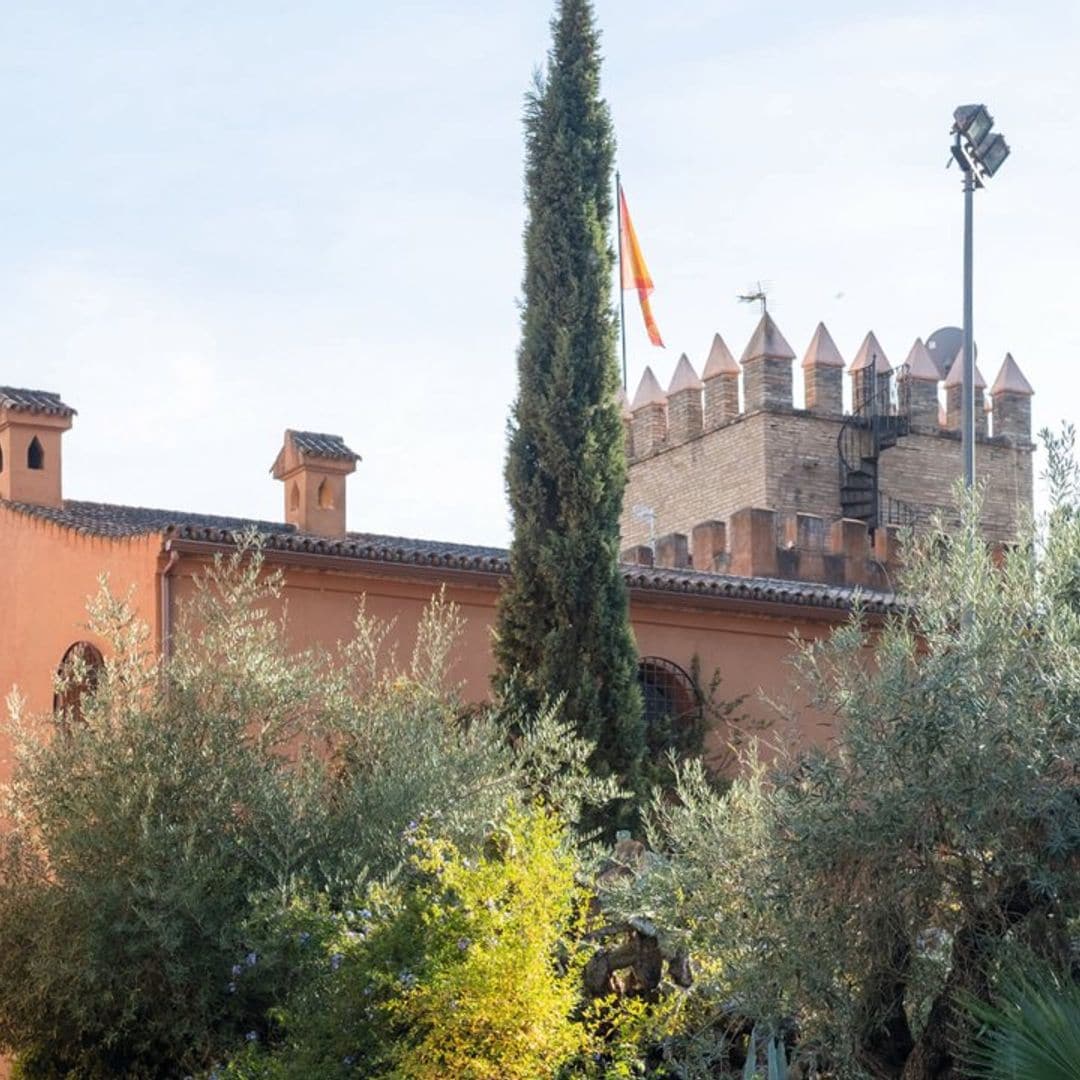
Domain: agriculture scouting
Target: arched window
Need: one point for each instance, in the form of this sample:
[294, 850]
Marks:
[673, 705]
[325, 496]
[35, 455]
[294, 497]
[76, 677]
[1, 459]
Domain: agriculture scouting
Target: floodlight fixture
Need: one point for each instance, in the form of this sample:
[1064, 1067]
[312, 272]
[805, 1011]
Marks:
[991, 154]
[973, 122]
[977, 148]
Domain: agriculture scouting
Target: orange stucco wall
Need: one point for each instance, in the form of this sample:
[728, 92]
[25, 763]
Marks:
[47, 574]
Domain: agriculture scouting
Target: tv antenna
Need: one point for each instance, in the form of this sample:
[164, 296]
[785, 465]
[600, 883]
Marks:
[759, 295]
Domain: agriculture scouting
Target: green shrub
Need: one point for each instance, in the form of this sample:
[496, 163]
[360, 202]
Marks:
[1031, 1030]
[151, 844]
[865, 888]
[466, 967]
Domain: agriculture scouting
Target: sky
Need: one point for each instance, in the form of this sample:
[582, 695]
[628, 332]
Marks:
[218, 221]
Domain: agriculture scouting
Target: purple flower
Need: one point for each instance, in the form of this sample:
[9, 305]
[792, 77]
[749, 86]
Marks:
[232, 988]
[251, 959]
[237, 970]
[335, 961]
[348, 1060]
[462, 943]
[364, 913]
[304, 938]
[252, 1036]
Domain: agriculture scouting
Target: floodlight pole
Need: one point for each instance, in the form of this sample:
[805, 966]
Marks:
[968, 389]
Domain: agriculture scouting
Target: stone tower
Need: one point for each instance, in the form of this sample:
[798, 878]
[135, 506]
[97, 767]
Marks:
[697, 459]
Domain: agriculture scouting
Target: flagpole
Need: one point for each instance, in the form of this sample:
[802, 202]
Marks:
[622, 292]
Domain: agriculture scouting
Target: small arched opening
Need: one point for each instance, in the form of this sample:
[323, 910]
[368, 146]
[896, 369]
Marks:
[35, 454]
[294, 497]
[672, 704]
[325, 495]
[77, 676]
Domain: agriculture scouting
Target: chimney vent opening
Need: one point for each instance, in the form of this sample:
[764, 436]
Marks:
[35, 455]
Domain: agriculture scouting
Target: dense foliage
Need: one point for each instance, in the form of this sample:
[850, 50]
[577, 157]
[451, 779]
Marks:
[563, 621]
[462, 969]
[862, 891]
[152, 846]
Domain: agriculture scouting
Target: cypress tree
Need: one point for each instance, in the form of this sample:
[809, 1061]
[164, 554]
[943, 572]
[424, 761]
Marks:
[563, 619]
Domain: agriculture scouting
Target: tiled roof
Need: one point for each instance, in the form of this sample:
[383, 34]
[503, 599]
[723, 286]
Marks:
[38, 401]
[319, 445]
[105, 520]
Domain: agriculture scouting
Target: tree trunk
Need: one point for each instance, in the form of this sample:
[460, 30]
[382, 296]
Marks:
[932, 1057]
[886, 1041]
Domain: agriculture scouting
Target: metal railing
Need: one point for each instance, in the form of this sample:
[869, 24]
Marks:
[881, 415]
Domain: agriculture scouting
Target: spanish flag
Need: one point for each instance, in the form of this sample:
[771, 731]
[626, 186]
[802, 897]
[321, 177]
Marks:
[635, 274]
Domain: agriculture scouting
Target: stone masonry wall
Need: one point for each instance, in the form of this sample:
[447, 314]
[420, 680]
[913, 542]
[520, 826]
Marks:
[787, 461]
[711, 476]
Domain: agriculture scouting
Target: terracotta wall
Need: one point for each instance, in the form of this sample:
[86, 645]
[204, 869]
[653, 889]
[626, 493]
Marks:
[47, 574]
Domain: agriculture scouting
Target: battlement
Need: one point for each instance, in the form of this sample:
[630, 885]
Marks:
[755, 542]
[885, 451]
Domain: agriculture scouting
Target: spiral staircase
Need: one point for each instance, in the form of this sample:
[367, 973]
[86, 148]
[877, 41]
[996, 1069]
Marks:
[880, 417]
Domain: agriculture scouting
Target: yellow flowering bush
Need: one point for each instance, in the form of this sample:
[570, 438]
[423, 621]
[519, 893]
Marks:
[467, 966]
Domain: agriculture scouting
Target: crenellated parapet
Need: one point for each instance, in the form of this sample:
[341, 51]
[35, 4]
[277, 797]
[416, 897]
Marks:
[721, 379]
[1011, 395]
[757, 542]
[695, 406]
[954, 397]
[861, 439]
[649, 425]
[823, 374]
[684, 404]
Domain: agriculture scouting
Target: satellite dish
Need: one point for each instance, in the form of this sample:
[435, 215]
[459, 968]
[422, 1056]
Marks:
[944, 344]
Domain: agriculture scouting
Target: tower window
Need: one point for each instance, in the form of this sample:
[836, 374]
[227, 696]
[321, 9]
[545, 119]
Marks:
[35, 455]
[294, 497]
[1, 459]
[325, 496]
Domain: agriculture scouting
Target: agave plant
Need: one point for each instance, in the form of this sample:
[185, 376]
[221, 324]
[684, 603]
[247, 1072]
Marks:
[1031, 1033]
[765, 1044]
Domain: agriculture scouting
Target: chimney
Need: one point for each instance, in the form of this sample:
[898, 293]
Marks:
[721, 379]
[684, 403]
[313, 468]
[32, 423]
[870, 373]
[1011, 395]
[823, 374]
[954, 397]
[650, 416]
[766, 364]
[919, 376]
